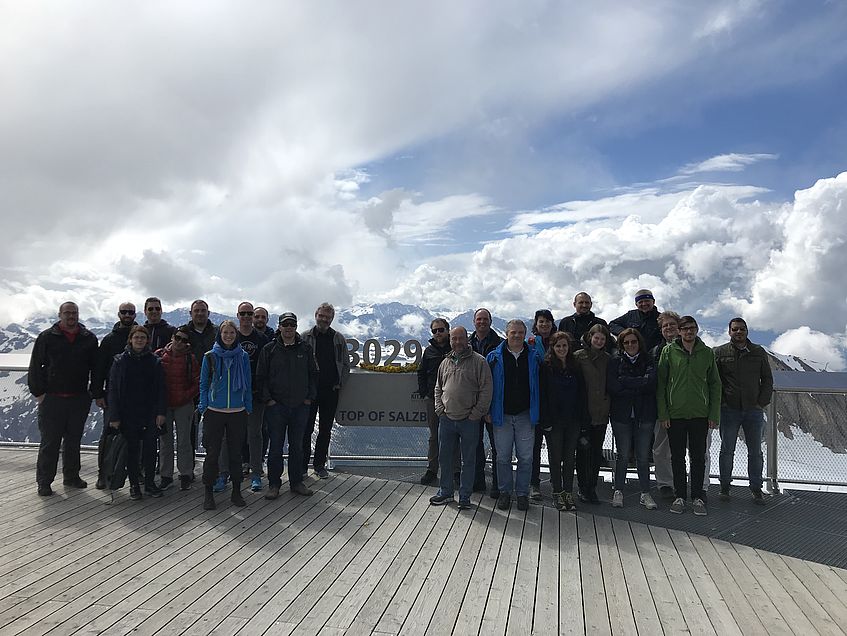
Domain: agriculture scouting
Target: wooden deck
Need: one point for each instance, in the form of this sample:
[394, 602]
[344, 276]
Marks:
[369, 556]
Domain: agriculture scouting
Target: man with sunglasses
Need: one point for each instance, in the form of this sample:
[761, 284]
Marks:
[252, 341]
[158, 328]
[182, 385]
[438, 348]
[112, 344]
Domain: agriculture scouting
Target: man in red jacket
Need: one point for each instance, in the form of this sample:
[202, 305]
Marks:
[182, 383]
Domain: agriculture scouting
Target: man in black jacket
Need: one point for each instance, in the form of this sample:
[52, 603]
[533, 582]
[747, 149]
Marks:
[579, 322]
[201, 330]
[60, 372]
[112, 344]
[438, 348]
[644, 319]
[288, 376]
[158, 328]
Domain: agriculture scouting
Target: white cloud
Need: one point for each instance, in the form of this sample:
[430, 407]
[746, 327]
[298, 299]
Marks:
[731, 162]
[809, 344]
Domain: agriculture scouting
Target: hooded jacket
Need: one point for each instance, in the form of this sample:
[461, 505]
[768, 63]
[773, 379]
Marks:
[182, 376]
[746, 377]
[216, 390]
[59, 366]
[287, 374]
[201, 342]
[498, 376]
[160, 334]
[689, 385]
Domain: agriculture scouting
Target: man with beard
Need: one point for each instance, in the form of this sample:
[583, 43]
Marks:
[112, 344]
[158, 328]
[260, 323]
[644, 319]
[579, 322]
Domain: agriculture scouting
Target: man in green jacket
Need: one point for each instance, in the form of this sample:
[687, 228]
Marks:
[747, 384]
[689, 399]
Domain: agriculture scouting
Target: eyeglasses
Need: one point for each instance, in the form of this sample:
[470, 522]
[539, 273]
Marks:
[630, 342]
[289, 325]
[154, 309]
[688, 328]
[245, 313]
[127, 312]
[439, 330]
[180, 339]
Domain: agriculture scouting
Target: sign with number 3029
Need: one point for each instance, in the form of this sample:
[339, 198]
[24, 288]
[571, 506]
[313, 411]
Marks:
[371, 352]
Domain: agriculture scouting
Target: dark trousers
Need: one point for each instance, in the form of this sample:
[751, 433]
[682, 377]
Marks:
[324, 408]
[479, 470]
[284, 419]
[561, 453]
[216, 426]
[535, 478]
[101, 444]
[462, 434]
[141, 447]
[589, 456]
[693, 434]
[60, 419]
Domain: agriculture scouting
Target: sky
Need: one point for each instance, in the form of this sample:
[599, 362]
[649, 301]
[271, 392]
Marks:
[449, 155]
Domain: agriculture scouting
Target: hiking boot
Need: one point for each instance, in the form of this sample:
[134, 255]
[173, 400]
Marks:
[523, 502]
[647, 501]
[75, 482]
[617, 499]
[166, 482]
[559, 500]
[152, 490]
[699, 507]
[184, 482]
[428, 478]
[440, 500]
[135, 492]
[570, 504]
[759, 497]
[100, 484]
[724, 496]
[273, 492]
[504, 501]
[256, 484]
[678, 506]
[236, 498]
[322, 473]
[465, 504]
[220, 483]
[302, 489]
[45, 491]
[535, 493]
[209, 499]
[667, 492]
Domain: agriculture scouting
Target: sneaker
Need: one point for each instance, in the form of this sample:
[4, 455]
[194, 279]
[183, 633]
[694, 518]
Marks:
[647, 501]
[429, 478]
[559, 500]
[135, 492]
[678, 506]
[184, 482]
[220, 484]
[617, 499]
[166, 482]
[75, 482]
[465, 504]
[667, 492]
[273, 492]
[152, 490]
[724, 496]
[523, 502]
[699, 507]
[440, 500]
[256, 484]
[45, 491]
[535, 493]
[302, 489]
[570, 504]
[322, 473]
[759, 497]
[504, 501]
[100, 484]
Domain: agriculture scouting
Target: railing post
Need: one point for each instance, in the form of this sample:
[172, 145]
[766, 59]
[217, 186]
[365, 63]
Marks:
[772, 462]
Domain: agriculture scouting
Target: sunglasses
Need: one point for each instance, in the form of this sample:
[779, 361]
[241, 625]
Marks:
[154, 309]
[127, 312]
[439, 330]
[180, 339]
[245, 313]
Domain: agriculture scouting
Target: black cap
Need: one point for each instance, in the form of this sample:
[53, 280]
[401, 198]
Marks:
[287, 316]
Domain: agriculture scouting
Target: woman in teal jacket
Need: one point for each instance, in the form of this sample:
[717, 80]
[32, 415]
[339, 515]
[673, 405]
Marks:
[226, 398]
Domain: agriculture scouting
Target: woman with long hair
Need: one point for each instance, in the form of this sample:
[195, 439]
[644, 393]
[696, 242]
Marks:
[592, 362]
[631, 381]
[562, 410]
[543, 328]
[137, 408]
[226, 398]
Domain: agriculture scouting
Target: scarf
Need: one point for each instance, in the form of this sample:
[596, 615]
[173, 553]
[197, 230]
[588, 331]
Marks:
[233, 360]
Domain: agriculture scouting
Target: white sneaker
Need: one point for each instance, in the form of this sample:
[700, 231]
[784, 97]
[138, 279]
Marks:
[647, 501]
[617, 499]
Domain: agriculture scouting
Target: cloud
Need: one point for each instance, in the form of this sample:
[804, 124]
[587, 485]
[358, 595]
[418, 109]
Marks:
[731, 162]
[809, 344]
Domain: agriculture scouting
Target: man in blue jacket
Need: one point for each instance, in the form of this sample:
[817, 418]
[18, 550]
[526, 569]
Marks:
[514, 412]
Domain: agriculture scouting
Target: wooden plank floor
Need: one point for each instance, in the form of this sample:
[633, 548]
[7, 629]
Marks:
[370, 556]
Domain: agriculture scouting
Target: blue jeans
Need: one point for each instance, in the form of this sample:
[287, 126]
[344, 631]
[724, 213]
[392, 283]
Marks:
[516, 432]
[282, 418]
[467, 433]
[752, 421]
[623, 432]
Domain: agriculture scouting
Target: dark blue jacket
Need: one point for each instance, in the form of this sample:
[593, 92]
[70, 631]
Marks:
[632, 388]
[136, 388]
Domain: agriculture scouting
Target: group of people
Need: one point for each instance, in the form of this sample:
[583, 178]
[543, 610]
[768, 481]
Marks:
[646, 372]
[249, 388]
